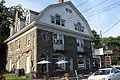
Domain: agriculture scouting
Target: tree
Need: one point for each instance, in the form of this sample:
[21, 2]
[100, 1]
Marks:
[7, 17]
[4, 22]
[113, 43]
[96, 40]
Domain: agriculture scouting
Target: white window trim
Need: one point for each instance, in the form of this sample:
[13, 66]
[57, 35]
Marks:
[28, 39]
[58, 38]
[62, 21]
[17, 44]
[80, 41]
[79, 27]
[27, 19]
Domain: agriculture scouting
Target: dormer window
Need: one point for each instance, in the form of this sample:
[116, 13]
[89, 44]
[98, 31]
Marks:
[57, 20]
[27, 19]
[79, 27]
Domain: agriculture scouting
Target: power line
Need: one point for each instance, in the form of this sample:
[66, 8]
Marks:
[82, 3]
[105, 7]
[95, 6]
[104, 10]
[92, 7]
[111, 27]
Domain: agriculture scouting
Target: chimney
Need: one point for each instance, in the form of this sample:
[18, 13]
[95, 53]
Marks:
[61, 1]
[16, 18]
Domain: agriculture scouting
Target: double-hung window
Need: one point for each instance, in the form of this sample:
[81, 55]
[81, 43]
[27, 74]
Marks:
[27, 19]
[57, 20]
[17, 42]
[28, 39]
[58, 39]
[79, 27]
[80, 43]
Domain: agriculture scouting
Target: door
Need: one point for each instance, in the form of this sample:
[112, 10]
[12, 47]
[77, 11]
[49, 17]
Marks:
[71, 65]
[28, 65]
[10, 66]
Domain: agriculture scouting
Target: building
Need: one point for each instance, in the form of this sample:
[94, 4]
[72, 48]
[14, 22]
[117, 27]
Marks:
[59, 32]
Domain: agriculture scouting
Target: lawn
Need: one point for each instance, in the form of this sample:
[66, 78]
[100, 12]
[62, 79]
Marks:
[10, 76]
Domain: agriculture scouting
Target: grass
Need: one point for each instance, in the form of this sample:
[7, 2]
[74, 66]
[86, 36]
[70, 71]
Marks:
[10, 76]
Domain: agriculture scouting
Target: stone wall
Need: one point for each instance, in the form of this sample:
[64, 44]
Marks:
[21, 53]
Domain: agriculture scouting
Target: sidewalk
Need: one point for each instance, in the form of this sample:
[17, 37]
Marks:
[80, 77]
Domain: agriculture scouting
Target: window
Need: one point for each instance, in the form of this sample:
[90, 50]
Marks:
[45, 36]
[62, 22]
[57, 20]
[28, 39]
[17, 43]
[81, 62]
[52, 19]
[68, 10]
[80, 43]
[58, 39]
[27, 20]
[79, 27]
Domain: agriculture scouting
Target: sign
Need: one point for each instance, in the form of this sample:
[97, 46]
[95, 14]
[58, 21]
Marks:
[108, 52]
[98, 52]
[108, 60]
[116, 51]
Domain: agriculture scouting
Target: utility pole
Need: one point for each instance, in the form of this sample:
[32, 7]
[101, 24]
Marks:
[102, 47]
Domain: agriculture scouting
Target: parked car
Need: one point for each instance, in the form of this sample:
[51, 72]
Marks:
[117, 67]
[105, 74]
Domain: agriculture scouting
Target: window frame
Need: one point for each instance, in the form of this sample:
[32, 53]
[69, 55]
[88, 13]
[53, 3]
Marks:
[80, 42]
[28, 39]
[28, 19]
[59, 39]
[57, 20]
[17, 44]
[79, 27]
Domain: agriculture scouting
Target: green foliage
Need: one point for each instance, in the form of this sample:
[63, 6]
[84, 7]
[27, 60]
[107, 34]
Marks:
[10, 76]
[96, 40]
[7, 17]
[4, 22]
[112, 43]
[115, 59]
[12, 12]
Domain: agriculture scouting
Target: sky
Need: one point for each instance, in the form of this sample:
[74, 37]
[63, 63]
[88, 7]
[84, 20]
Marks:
[98, 17]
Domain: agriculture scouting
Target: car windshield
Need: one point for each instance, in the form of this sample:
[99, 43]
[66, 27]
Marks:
[102, 72]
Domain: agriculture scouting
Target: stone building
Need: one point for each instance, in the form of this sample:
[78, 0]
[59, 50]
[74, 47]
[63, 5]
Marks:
[59, 32]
